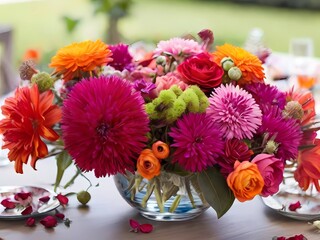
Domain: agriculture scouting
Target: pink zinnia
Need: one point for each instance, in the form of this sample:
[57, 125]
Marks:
[178, 47]
[197, 142]
[104, 125]
[167, 81]
[235, 112]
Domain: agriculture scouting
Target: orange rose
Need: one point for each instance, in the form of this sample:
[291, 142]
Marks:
[245, 181]
[160, 150]
[148, 165]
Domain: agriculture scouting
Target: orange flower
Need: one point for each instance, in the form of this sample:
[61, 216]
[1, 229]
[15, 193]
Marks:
[28, 116]
[148, 165]
[308, 170]
[245, 181]
[160, 150]
[78, 58]
[305, 98]
[32, 54]
[249, 64]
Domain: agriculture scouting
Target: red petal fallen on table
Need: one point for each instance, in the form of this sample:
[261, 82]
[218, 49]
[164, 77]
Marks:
[59, 215]
[134, 224]
[8, 204]
[27, 211]
[31, 222]
[146, 228]
[49, 222]
[62, 199]
[44, 199]
[294, 206]
[295, 237]
[22, 196]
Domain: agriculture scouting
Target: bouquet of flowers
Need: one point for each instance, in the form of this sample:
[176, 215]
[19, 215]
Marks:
[181, 108]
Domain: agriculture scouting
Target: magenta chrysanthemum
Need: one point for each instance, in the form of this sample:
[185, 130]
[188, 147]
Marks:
[121, 57]
[104, 125]
[197, 142]
[285, 132]
[235, 112]
[178, 47]
[266, 96]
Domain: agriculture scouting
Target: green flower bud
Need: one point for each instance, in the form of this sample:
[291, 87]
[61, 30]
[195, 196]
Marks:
[227, 63]
[161, 60]
[234, 73]
[83, 197]
[43, 80]
[293, 109]
[271, 147]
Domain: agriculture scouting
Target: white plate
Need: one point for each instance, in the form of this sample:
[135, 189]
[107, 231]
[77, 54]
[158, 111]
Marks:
[39, 208]
[310, 205]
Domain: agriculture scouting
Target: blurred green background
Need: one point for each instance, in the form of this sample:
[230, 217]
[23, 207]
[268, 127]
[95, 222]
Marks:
[39, 24]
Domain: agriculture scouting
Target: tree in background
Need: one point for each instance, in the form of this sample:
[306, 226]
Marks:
[114, 10]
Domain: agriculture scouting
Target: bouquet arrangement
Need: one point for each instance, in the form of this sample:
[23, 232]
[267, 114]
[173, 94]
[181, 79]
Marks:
[182, 108]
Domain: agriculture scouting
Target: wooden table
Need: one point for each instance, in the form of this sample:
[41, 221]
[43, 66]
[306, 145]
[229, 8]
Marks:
[107, 216]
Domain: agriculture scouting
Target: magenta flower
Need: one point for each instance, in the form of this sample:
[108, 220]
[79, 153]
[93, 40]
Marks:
[121, 57]
[178, 47]
[285, 132]
[104, 125]
[271, 169]
[234, 150]
[197, 142]
[234, 111]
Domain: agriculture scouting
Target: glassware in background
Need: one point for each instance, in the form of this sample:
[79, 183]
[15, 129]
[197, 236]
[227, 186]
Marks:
[3, 155]
[302, 65]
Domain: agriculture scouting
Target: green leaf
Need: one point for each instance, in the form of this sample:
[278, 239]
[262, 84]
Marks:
[64, 160]
[70, 23]
[215, 190]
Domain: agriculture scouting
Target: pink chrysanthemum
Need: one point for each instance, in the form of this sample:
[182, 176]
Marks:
[197, 142]
[178, 47]
[104, 125]
[235, 111]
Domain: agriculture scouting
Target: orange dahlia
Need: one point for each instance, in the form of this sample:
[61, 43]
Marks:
[77, 59]
[249, 64]
[28, 117]
[308, 171]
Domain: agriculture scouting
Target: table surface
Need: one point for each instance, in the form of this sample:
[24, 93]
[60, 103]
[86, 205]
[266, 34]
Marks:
[107, 216]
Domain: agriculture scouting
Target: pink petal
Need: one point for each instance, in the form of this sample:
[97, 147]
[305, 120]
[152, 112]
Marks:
[62, 199]
[22, 196]
[134, 224]
[27, 211]
[31, 222]
[294, 206]
[44, 199]
[59, 215]
[8, 204]
[146, 228]
[49, 222]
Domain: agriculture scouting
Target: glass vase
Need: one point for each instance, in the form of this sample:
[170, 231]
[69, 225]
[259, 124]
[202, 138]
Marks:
[168, 197]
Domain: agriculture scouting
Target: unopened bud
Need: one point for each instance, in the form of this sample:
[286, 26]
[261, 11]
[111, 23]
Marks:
[271, 147]
[27, 70]
[43, 80]
[234, 73]
[161, 60]
[227, 63]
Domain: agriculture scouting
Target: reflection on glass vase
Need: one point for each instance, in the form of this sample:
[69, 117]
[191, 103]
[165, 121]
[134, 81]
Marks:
[168, 197]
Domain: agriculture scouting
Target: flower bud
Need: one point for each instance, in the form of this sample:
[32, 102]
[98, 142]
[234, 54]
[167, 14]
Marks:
[83, 197]
[271, 147]
[161, 60]
[227, 63]
[293, 109]
[27, 70]
[43, 80]
[234, 73]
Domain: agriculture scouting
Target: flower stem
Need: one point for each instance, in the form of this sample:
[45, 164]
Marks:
[157, 193]
[72, 179]
[175, 203]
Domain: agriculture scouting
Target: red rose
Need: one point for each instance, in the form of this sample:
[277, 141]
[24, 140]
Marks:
[202, 71]
[49, 222]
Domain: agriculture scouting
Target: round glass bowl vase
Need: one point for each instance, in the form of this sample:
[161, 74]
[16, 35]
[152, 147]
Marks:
[168, 197]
